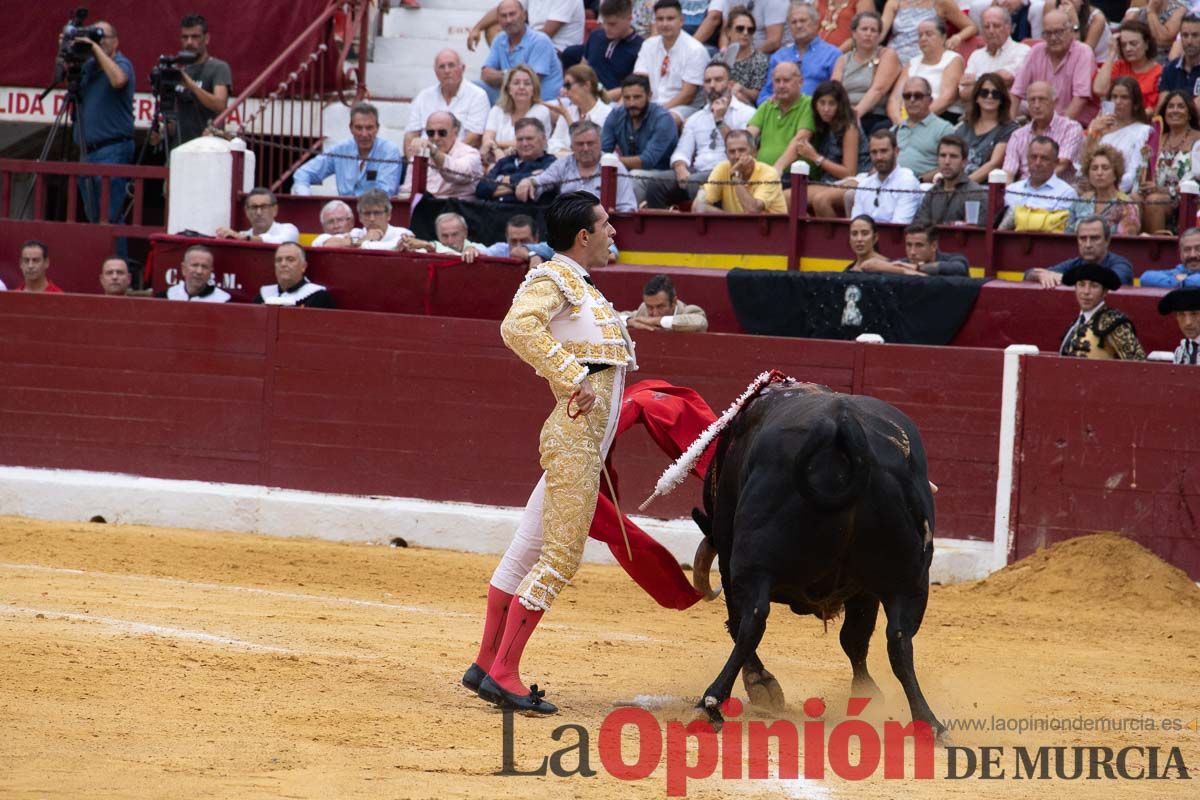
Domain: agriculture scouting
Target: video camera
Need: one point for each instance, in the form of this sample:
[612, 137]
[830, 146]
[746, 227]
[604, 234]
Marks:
[71, 52]
[167, 75]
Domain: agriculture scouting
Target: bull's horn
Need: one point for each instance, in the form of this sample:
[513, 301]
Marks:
[701, 567]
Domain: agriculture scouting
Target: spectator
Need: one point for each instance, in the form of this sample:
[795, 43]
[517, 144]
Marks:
[518, 100]
[519, 44]
[1000, 55]
[902, 19]
[1185, 274]
[1066, 64]
[115, 278]
[451, 93]
[781, 119]
[1044, 120]
[1100, 331]
[560, 20]
[702, 145]
[748, 66]
[35, 263]
[584, 100]
[375, 214]
[451, 230]
[868, 72]
[206, 83]
[892, 193]
[770, 18]
[641, 133]
[987, 125]
[661, 310]
[1137, 62]
[454, 166]
[946, 202]
[1177, 154]
[106, 105]
[1183, 73]
[837, 19]
[291, 287]
[920, 131]
[337, 220]
[939, 67]
[364, 161]
[1089, 24]
[673, 61]
[613, 48]
[261, 208]
[1163, 19]
[814, 55]
[520, 241]
[1042, 201]
[741, 184]
[1184, 305]
[196, 278]
[578, 171]
[863, 241]
[1129, 131]
[1092, 237]
[1100, 197]
[922, 257]
[840, 149]
[530, 158]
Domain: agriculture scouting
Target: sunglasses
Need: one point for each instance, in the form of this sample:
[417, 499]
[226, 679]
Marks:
[911, 96]
[744, 29]
[568, 84]
[994, 94]
[435, 132]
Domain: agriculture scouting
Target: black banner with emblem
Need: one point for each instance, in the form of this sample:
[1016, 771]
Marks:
[842, 305]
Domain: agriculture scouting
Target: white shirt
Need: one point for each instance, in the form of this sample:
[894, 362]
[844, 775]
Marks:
[3, 288]
[765, 12]
[1008, 59]
[470, 106]
[1052, 195]
[217, 295]
[688, 58]
[934, 73]
[894, 200]
[698, 147]
[278, 233]
[560, 142]
[568, 12]
[499, 121]
[391, 237]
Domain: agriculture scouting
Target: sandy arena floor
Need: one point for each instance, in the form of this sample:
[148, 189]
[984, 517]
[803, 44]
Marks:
[143, 662]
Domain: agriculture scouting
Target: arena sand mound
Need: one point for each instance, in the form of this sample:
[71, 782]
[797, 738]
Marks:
[1103, 570]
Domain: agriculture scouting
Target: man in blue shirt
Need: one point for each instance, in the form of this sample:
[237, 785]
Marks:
[814, 55]
[364, 161]
[1184, 72]
[516, 44]
[1093, 236]
[641, 133]
[1186, 273]
[104, 120]
[612, 49]
[530, 159]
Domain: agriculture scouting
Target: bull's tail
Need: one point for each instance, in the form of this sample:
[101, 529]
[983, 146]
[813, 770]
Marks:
[833, 466]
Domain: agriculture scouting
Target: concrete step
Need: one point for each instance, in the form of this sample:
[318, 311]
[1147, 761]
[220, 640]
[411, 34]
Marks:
[415, 50]
[452, 25]
[478, 6]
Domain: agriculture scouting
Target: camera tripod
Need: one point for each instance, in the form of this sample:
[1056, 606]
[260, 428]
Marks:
[71, 106]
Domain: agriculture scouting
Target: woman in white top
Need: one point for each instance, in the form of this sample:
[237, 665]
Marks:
[582, 99]
[518, 98]
[942, 68]
[1127, 129]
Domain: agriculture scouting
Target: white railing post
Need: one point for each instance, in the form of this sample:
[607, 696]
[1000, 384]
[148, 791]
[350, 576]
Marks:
[1002, 533]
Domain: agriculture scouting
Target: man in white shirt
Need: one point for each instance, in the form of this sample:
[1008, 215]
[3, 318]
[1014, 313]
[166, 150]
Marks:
[465, 100]
[674, 62]
[196, 283]
[377, 232]
[1042, 190]
[890, 193]
[561, 20]
[702, 145]
[770, 22]
[261, 209]
[1000, 54]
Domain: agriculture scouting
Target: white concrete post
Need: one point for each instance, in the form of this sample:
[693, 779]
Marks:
[200, 195]
[1009, 397]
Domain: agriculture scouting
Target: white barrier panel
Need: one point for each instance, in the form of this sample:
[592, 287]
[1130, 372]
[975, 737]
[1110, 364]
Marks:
[200, 196]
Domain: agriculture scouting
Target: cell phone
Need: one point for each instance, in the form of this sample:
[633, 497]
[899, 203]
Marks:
[1107, 107]
[371, 174]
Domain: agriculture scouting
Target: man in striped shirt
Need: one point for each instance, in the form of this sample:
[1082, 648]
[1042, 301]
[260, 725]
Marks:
[1044, 121]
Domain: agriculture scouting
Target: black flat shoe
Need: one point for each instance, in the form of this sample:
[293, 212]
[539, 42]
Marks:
[473, 677]
[492, 692]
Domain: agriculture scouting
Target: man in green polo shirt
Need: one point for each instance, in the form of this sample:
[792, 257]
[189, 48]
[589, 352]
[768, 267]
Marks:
[779, 119]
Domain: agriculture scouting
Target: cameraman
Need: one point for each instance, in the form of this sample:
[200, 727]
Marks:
[207, 81]
[104, 123]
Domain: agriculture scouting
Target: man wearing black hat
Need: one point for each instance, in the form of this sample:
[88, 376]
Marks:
[1099, 331]
[1184, 305]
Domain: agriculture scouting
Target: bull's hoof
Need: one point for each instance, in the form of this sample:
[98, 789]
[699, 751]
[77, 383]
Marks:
[763, 689]
[711, 706]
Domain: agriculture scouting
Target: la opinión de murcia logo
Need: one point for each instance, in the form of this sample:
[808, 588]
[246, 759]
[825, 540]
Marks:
[852, 750]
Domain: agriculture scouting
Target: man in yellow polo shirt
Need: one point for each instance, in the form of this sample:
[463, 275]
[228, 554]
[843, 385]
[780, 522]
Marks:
[741, 184]
[778, 120]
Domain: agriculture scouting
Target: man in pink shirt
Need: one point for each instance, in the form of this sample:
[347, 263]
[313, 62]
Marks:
[1044, 121]
[454, 166]
[1065, 63]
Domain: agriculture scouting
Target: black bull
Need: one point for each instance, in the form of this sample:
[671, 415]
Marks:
[820, 501]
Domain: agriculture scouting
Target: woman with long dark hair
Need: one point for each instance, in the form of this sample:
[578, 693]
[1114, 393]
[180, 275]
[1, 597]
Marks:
[836, 150]
[1127, 129]
[1178, 151]
[986, 127]
[863, 239]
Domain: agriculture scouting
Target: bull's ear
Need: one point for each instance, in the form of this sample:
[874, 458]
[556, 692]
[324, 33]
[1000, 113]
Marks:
[703, 521]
